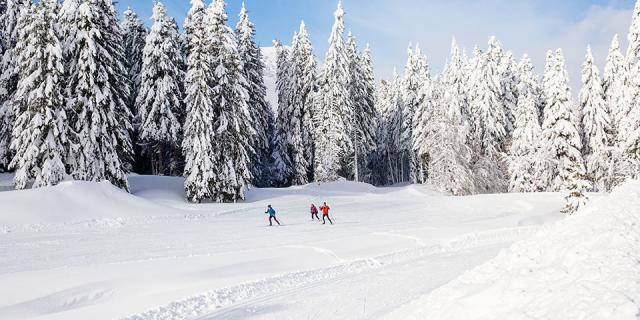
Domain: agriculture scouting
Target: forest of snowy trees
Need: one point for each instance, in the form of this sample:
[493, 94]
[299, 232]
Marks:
[88, 97]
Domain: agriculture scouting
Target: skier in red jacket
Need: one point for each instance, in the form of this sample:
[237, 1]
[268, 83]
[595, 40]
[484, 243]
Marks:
[325, 213]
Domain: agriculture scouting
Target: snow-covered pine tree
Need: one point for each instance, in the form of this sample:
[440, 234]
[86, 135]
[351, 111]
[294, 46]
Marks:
[296, 117]
[524, 147]
[509, 79]
[416, 76]
[199, 132]
[367, 115]
[303, 79]
[262, 116]
[529, 83]
[231, 147]
[380, 168]
[393, 119]
[9, 74]
[159, 101]
[39, 132]
[97, 89]
[489, 120]
[134, 35]
[597, 126]
[333, 143]
[560, 139]
[615, 85]
[363, 113]
[282, 163]
[633, 51]
[449, 155]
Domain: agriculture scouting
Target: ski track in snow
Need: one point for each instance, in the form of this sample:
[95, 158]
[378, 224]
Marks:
[197, 306]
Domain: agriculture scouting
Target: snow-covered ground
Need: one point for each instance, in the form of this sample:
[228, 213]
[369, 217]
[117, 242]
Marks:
[90, 251]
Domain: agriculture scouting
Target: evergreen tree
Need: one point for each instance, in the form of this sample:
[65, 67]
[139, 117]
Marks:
[380, 164]
[39, 132]
[232, 127]
[560, 138]
[416, 76]
[615, 84]
[197, 145]
[633, 51]
[299, 113]
[333, 143]
[159, 100]
[489, 121]
[97, 89]
[523, 151]
[449, 155]
[596, 122]
[363, 113]
[366, 114]
[9, 73]
[528, 83]
[282, 168]
[262, 117]
[134, 35]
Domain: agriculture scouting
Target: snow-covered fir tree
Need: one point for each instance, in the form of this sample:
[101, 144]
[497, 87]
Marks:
[416, 76]
[564, 169]
[134, 35]
[199, 132]
[380, 165]
[97, 89]
[304, 75]
[524, 147]
[282, 170]
[449, 156]
[366, 115]
[393, 119]
[363, 113]
[262, 117]
[596, 122]
[296, 115]
[633, 51]
[332, 138]
[529, 83]
[615, 84]
[9, 74]
[231, 119]
[489, 121]
[39, 132]
[159, 101]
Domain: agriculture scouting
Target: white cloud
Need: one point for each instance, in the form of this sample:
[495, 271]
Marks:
[524, 26]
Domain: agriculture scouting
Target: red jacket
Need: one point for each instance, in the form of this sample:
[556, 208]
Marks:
[325, 210]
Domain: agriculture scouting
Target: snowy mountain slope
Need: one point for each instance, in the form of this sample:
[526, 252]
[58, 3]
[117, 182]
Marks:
[270, 61]
[585, 267]
[150, 255]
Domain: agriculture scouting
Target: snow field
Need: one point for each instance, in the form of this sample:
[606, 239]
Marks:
[584, 267]
[93, 251]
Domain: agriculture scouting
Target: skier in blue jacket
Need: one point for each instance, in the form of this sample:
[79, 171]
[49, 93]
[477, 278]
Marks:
[272, 215]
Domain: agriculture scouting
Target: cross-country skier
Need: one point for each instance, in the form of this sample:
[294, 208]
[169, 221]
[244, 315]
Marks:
[325, 213]
[272, 215]
[314, 212]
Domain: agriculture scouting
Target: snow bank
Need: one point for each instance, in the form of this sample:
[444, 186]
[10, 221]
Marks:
[72, 202]
[585, 267]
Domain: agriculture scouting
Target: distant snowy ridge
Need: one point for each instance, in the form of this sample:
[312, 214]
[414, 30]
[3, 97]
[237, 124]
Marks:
[585, 267]
[269, 59]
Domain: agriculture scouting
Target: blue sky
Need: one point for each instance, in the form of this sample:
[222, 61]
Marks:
[523, 26]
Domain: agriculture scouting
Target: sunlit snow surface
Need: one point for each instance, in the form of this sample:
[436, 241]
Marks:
[90, 251]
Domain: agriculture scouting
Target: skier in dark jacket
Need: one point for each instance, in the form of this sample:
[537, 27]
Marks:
[272, 215]
[314, 212]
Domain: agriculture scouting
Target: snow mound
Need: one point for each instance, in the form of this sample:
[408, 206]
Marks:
[72, 202]
[584, 267]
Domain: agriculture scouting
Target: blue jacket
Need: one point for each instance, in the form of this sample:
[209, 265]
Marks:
[271, 212]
